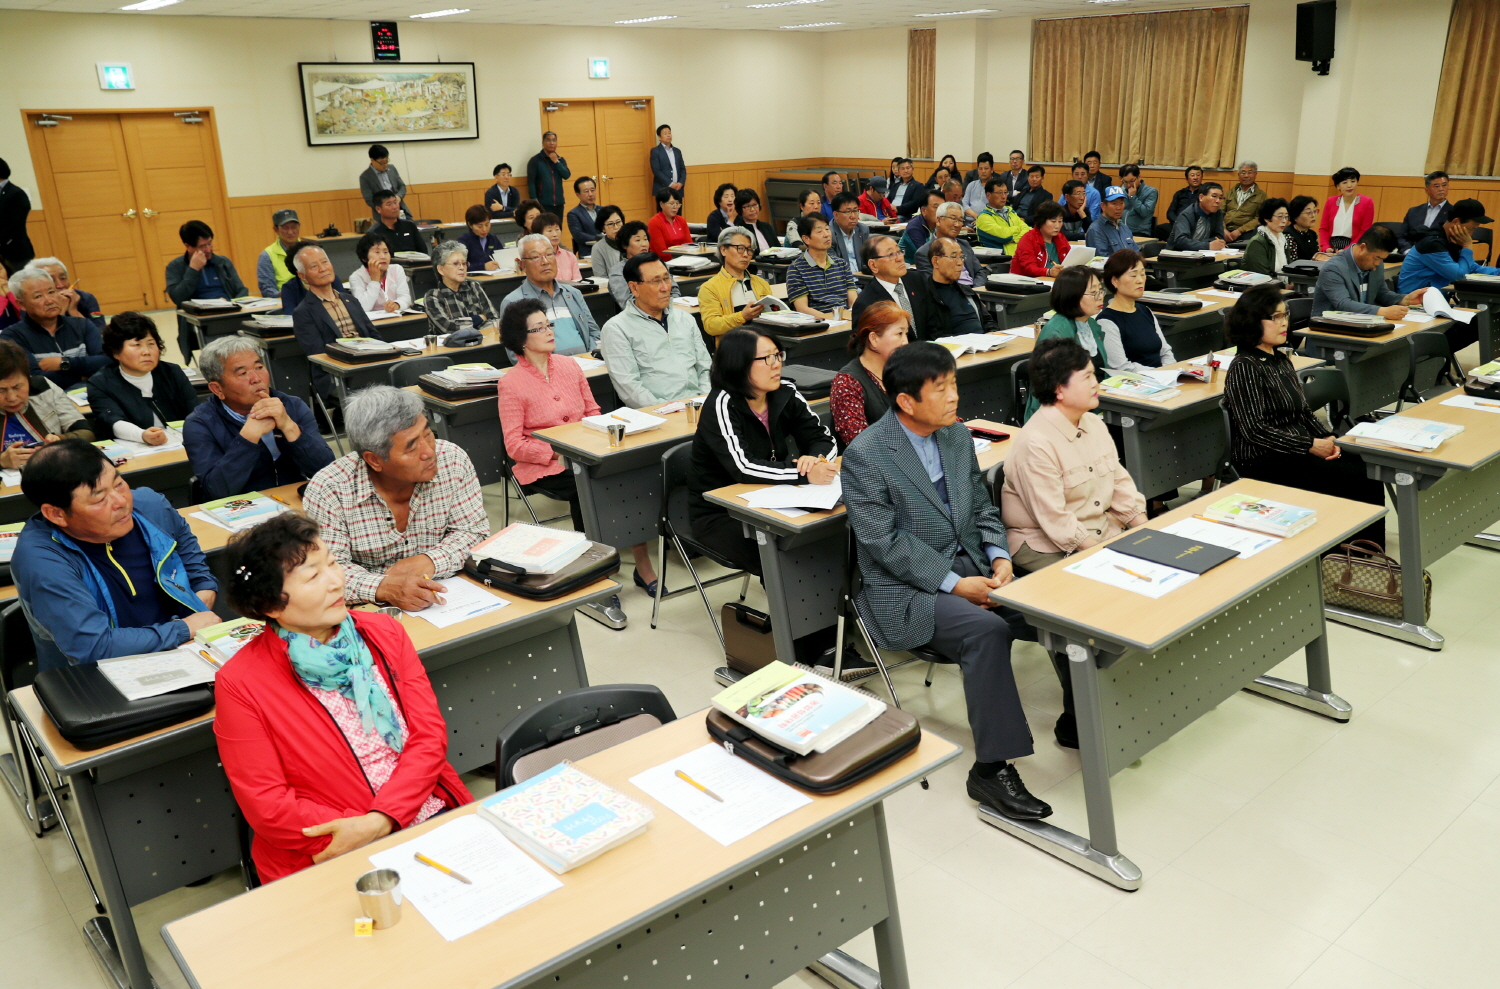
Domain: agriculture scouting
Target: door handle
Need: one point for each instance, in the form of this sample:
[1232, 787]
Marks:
[129, 214]
[606, 178]
[149, 212]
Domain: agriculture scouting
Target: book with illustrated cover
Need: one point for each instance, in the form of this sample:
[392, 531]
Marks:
[533, 548]
[564, 817]
[227, 638]
[1405, 433]
[246, 511]
[1261, 515]
[1128, 384]
[797, 710]
[9, 535]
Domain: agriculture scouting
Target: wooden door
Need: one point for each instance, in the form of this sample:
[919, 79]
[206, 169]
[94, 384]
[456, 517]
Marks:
[89, 203]
[573, 120]
[624, 133]
[174, 168]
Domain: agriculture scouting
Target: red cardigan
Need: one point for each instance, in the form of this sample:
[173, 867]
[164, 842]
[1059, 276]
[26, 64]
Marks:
[529, 402]
[664, 235]
[1031, 253]
[290, 765]
[1364, 217]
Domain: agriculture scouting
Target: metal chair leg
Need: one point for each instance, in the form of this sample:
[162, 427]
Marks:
[930, 668]
[677, 543]
[34, 755]
[661, 575]
[525, 501]
[745, 587]
[879, 660]
[338, 437]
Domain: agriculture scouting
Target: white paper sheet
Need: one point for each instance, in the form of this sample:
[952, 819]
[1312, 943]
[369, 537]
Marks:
[1471, 402]
[503, 877]
[1242, 541]
[588, 363]
[1434, 304]
[381, 314]
[1029, 332]
[752, 798]
[791, 513]
[461, 601]
[818, 496]
[132, 449]
[1218, 293]
[156, 673]
[1417, 316]
[10, 478]
[1117, 569]
[205, 517]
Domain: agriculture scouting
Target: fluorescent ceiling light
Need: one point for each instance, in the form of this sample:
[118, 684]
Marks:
[1107, 1]
[794, 27]
[646, 20]
[956, 13]
[441, 13]
[151, 4]
[782, 3]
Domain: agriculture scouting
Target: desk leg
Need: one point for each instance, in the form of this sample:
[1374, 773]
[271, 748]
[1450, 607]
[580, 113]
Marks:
[113, 938]
[1412, 628]
[1485, 540]
[1317, 694]
[841, 969]
[776, 594]
[1099, 854]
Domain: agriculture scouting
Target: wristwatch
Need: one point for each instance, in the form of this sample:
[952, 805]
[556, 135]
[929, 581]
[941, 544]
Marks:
[66, 365]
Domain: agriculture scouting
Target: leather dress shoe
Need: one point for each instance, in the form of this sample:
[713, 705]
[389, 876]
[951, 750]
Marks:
[1007, 794]
[1066, 731]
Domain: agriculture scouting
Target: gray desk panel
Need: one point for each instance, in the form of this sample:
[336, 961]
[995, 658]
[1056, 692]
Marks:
[803, 574]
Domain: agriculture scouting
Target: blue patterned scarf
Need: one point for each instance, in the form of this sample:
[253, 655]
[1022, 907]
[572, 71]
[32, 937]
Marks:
[344, 664]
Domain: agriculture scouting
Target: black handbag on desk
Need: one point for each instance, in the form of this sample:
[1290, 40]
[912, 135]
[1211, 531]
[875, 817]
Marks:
[596, 563]
[813, 382]
[90, 713]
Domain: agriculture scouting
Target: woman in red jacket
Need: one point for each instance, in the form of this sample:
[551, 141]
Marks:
[328, 728]
[1040, 251]
[667, 228]
[1347, 215]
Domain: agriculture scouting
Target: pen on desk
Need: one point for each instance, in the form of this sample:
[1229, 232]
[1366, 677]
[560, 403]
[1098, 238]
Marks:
[282, 501]
[621, 418]
[1137, 576]
[441, 868]
[1488, 405]
[692, 782]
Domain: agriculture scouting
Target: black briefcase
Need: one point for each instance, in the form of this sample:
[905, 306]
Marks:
[597, 562]
[1351, 329]
[584, 286]
[1167, 302]
[813, 382]
[90, 713]
[339, 352]
[456, 393]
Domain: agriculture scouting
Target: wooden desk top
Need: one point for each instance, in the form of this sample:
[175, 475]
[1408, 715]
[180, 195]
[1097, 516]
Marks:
[296, 932]
[1478, 444]
[335, 366]
[575, 437]
[143, 462]
[1404, 328]
[212, 538]
[1193, 392]
[1134, 620]
[733, 495]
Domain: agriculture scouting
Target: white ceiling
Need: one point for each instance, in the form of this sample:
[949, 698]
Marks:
[697, 14]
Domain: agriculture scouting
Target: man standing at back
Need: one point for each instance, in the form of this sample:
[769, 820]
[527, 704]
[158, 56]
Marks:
[1015, 177]
[668, 170]
[273, 268]
[382, 175]
[546, 173]
[15, 207]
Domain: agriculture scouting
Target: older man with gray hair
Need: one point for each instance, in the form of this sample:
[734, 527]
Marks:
[75, 301]
[326, 314]
[1242, 204]
[949, 222]
[572, 323]
[403, 510]
[247, 436]
[67, 349]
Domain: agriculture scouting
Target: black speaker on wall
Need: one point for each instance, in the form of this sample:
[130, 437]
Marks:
[1315, 33]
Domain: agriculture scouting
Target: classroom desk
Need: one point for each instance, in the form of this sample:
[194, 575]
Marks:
[1190, 273]
[288, 363]
[474, 423]
[168, 474]
[158, 809]
[1442, 499]
[1013, 308]
[653, 911]
[1170, 443]
[803, 558]
[1376, 367]
[1196, 332]
[1143, 670]
[1476, 289]
[348, 376]
[206, 326]
[984, 390]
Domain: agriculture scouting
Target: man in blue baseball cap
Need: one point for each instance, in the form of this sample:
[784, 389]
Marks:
[1109, 233]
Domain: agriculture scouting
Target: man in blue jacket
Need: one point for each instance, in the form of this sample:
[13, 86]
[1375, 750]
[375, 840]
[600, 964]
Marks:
[66, 349]
[102, 570]
[246, 437]
[1444, 256]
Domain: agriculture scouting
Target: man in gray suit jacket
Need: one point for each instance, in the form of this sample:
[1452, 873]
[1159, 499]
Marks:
[1353, 280]
[381, 175]
[849, 235]
[931, 548]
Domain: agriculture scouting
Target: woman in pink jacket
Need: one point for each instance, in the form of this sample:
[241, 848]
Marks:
[328, 728]
[1347, 215]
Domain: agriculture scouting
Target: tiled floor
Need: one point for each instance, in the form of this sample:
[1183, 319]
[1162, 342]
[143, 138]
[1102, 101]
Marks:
[1280, 849]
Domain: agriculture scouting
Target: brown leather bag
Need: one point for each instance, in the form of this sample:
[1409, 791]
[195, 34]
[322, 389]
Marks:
[748, 643]
[1360, 577]
[878, 744]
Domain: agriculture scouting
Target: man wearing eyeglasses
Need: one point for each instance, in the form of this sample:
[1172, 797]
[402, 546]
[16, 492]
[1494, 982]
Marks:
[894, 281]
[729, 298]
[653, 348]
[949, 223]
[942, 305]
[849, 235]
[573, 324]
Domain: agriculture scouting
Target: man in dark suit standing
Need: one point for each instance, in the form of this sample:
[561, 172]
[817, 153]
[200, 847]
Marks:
[1427, 219]
[668, 170]
[893, 282]
[15, 206]
[931, 548]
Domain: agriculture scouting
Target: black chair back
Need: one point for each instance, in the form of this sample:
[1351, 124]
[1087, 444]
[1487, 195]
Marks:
[405, 373]
[602, 306]
[1225, 472]
[1327, 386]
[1431, 353]
[17, 650]
[1020, 388]
[1396, 227]
[578, 713]
[1299, 312]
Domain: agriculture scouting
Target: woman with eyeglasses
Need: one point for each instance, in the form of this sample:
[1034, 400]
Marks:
[453, 303]
[1302, 235]
[728, 299]
[606, 255]
[744, 437]
[1077, 298]
[666, 227]
[1273, 435]
[1270, 249]
[747, 205]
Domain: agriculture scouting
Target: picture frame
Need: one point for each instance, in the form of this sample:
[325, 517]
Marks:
[377, 102]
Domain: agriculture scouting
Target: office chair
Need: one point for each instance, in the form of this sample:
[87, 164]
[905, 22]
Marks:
[405, 373]
[18, 669]
[1020, 388]
[1423, 347]
[574, 725]
[1327, 386]
[673, 523]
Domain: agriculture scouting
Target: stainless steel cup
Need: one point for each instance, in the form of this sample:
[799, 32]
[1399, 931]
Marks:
[694, 410]
[616, 432]
[431, 341]
[380, 897]
[391, 610]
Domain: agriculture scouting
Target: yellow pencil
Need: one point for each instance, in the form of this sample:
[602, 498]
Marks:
[441, 868]
[1137, 576]
[692, 782]
[621, 418]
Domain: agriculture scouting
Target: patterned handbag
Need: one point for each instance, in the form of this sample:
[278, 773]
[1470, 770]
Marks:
[1360, 577]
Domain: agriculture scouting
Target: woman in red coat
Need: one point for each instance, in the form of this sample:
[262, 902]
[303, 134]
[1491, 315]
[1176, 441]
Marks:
[1040, 251]
[328, 728]
[667, 228]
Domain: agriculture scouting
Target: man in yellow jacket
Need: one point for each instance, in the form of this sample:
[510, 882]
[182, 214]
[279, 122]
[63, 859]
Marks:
[999, 225]
[733, 287]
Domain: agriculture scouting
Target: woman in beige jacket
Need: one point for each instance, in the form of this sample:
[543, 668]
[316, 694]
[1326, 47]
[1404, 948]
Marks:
[1065, 488]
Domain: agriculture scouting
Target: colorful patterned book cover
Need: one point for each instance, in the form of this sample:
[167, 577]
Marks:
[565, 815]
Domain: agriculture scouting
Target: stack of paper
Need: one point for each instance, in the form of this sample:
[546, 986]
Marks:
[79, 395]
[377, 314]
[157, 673]
[272, 322]
[1247, 279]
[1242, 541]
[257, 302]
[532, 548]
[1434, 304]
[796, 710]
[1131, 573]
[633, 420]
[460, 601]
[690, 263]
[787, 318]
[128, 449]
[816, 496]
[1406, 433]
[588, 363]
[781, 253]
[418, 256]
[9, 534]
[741, 799]
[1129, 384]
[366, 345]
[564, 817]
[1187, 254]
[1353, 318]
[974, 343]
[213, 303]
[462, 375]
[244, 511]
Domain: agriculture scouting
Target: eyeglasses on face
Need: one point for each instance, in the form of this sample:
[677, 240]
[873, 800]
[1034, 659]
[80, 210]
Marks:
[1281, 316]
[743, 248]
[659, 282]
[889, 257]
[548, 256]
[850, 211]
[773, 360]
[540, 327]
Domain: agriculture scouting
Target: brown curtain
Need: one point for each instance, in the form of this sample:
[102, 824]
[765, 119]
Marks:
[1466, 121]
[921, 91]
[1161, 86]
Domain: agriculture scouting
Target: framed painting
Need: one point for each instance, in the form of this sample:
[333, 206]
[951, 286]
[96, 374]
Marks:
[361, 103]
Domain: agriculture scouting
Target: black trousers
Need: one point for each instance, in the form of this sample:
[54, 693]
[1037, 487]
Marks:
[562, 487]
[1342, 478]
[979, 639]
[726, 537]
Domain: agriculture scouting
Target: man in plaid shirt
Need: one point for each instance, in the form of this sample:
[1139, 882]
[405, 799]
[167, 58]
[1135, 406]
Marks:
[403, 510]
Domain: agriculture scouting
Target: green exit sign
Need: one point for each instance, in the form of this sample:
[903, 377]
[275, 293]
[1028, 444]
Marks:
[115, 75]
[598, 68]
